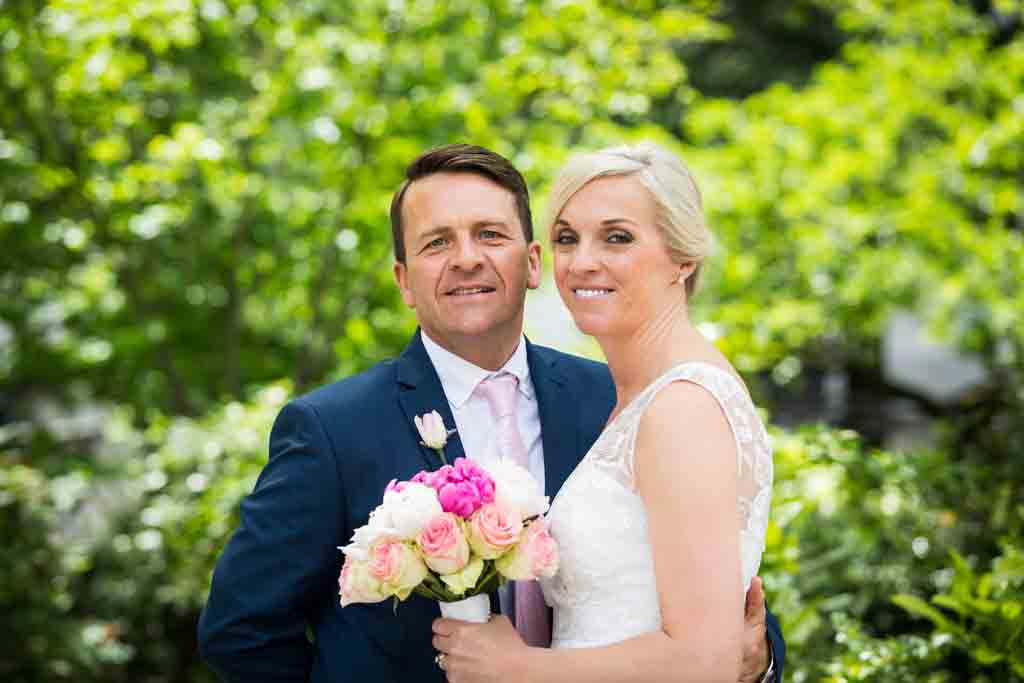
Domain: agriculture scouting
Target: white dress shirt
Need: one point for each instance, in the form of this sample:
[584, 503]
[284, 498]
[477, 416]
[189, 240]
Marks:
[473, 419]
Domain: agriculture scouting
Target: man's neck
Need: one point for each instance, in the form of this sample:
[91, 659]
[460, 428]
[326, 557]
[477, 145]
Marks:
[485, 353]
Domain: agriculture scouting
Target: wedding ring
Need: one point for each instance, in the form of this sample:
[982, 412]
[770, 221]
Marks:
[439, 660]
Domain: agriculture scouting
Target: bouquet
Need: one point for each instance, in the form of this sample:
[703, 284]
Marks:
[449, 535]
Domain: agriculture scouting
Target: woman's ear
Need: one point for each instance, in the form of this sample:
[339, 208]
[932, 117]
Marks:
[686, 270]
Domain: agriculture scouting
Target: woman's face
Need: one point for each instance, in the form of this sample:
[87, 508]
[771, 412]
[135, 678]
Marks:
[611, 263]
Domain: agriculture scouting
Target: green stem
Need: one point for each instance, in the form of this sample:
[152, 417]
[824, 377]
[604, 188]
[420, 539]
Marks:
[439, 591]
[425, 591]
[490, 580]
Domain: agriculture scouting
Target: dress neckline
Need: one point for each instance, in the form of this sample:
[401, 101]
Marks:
[653, 383]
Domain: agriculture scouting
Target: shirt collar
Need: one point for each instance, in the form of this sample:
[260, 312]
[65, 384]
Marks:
[459, 377]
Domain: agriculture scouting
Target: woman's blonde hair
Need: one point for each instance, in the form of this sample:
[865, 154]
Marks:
[680, 212]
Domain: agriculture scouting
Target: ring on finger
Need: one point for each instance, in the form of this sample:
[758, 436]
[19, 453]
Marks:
[439, 660]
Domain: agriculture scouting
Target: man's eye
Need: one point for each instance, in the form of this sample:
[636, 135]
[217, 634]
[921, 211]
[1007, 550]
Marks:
[437, 243]
[619, 237]
[489, 234]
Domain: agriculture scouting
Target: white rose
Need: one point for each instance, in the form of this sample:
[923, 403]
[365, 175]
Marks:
[431, 428]
[411, 508]
[379, 525]
[515, 488]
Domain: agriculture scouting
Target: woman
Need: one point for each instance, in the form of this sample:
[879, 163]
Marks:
[655, 560]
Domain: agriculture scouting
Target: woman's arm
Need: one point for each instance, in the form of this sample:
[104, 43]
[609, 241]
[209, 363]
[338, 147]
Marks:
[686, 474]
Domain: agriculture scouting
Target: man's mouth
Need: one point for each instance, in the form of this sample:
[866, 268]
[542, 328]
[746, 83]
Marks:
[591, 293]
[469, 291]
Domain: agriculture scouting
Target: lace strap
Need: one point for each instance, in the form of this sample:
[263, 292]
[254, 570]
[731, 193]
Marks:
[727, 391]
[753, 450]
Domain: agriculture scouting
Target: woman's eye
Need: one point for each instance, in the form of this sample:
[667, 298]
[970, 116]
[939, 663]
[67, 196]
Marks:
[620, 238]
[565, 238]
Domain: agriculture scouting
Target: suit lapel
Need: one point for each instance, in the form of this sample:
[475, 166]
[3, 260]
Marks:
[558, 420]
[419, 392]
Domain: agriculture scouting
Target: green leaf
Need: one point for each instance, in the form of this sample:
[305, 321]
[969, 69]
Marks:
[918, 607]
[987, 655]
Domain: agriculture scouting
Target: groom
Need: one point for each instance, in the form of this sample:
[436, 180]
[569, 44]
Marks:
[464, 258]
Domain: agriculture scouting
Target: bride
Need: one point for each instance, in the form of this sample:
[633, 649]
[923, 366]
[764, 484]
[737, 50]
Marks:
[661, 526]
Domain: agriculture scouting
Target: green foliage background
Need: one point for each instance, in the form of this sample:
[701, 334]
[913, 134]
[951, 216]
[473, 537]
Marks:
[193, 224]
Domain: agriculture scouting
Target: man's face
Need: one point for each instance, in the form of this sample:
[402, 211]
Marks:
[468, 264]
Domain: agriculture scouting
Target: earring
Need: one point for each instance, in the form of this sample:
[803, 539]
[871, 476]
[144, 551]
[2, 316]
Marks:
[682, 279]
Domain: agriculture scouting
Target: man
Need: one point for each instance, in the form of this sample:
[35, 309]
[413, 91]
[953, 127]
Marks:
[464, 258]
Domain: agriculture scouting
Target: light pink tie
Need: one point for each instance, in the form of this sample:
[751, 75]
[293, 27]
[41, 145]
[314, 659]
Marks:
[500, 393]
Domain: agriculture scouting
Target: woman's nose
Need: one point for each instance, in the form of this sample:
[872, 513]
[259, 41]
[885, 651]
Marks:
[583, 259]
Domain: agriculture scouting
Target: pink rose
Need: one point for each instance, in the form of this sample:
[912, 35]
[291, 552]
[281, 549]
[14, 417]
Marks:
[536, 554]
[397, 566]
[462, 488]
[493, 530]
[356, 583]
[443, 544]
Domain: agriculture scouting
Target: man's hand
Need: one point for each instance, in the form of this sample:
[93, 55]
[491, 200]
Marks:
[755, 639]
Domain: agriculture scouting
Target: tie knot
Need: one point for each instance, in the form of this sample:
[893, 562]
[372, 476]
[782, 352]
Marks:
[500, 393]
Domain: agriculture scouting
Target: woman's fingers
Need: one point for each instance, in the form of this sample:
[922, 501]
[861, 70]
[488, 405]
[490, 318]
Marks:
[442, 643]
[445, 631]
[445, 627]
[476, 653]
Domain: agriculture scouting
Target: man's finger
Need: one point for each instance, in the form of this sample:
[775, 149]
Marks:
[754, 607]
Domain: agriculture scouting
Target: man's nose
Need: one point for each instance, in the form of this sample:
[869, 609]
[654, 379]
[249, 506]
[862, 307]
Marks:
[468, 255]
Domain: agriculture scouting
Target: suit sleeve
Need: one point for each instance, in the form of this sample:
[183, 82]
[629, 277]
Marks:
[282, 557]
[774, 631]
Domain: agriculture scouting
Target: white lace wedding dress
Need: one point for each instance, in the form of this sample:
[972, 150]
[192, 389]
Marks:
[604, 591]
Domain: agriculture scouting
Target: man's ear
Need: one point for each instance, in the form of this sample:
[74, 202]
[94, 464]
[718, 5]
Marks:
[402, 279]
[534, 266]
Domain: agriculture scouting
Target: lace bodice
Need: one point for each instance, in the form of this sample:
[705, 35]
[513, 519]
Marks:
[604, 591]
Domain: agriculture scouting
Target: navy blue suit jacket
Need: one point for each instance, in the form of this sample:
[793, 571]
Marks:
[273, 613]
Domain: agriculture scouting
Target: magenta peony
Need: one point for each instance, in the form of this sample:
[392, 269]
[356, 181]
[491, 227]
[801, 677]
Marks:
[462, 488]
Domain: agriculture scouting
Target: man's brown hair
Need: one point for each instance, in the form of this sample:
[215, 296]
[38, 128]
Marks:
[462, 158]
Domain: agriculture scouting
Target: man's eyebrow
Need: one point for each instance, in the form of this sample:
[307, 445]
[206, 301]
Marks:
[490, 223]
[433, 233]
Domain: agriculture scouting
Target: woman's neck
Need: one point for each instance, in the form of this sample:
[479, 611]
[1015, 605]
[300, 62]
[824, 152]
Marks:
[638, 359]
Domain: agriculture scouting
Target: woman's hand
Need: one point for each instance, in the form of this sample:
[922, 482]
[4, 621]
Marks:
[481, 653]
